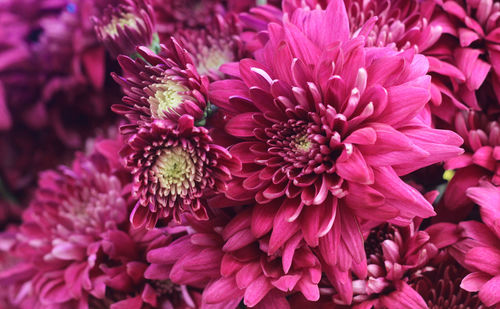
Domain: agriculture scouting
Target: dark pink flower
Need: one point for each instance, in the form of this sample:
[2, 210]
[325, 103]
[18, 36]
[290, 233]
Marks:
[122, 25]
[475, 25]
[393, 255]
[172, 15]
[440, 287]
[481, 142]
[327, 127]
[217, 44]
[478, 250]
[64, 229]
[193, 258]
[251, 272]
[127, 285]
[164, 86]
[175, 164]
[400, 24]
[481, 136]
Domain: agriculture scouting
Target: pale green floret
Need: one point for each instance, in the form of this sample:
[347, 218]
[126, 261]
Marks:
[210, 59]
[167, 97]
[128, 19]
[303, 144]
[175, 171]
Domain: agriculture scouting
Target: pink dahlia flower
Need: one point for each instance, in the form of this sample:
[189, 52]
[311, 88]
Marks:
[122, 25]
[326, 129]
[64, 229]
[175, 166]
[164, 86]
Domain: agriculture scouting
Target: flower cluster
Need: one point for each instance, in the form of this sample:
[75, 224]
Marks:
[267, 154]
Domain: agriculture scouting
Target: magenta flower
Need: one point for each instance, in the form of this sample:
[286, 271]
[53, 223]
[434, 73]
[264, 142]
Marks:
[481, 142]
[122, 25]
[475, 25]
[481, 137]
[478, 251]
[393, 254]
[192, 259]
[251, 272]
[327, 127]
[127, 285]
[175, 165]
[164, 86]
[217, 44]
[173, 15]
[64, 228]
[440, 287]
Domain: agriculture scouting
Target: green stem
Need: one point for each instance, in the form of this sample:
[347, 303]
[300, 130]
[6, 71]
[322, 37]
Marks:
[5, 194]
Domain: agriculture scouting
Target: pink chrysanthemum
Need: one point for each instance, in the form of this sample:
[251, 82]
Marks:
[481, 142]
[327, 128]
[250, 272]
[64, 228]
[393, 254]
[122, 25]
[475, 25]
[217, 44]
[481, 137]
[401, 24]
[164, 86]
[440, 287]
[173, 15]
[478, 251]
[127, 285]
[192, 260]
[175, 164]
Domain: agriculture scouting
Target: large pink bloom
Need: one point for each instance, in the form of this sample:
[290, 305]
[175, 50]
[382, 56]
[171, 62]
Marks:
[327, 127]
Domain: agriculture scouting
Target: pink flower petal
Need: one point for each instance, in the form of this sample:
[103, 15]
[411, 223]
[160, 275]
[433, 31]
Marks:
[489, 293]
[474, 281]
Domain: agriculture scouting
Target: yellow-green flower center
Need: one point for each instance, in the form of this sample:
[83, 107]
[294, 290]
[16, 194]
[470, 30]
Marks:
[127, 19]
[168, 95]
[302, 143]
[175, 170]
[211, 58]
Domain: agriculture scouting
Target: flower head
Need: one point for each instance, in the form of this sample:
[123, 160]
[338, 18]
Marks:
[250, 272]
[64, 229]
[326, 128]
[175, 164]
[394, 255]
[164, 86]
[478, 250]
[122, 25]
[217, 44]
